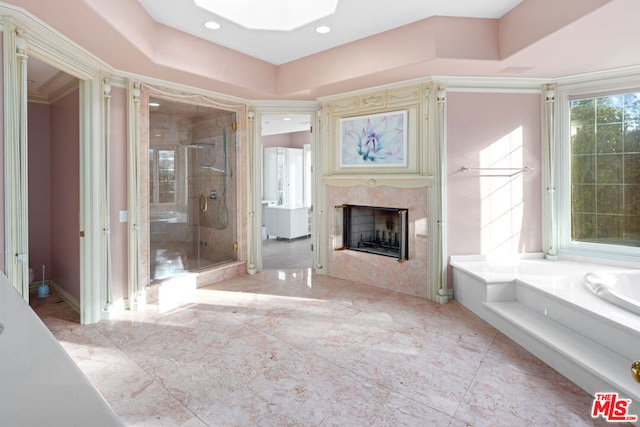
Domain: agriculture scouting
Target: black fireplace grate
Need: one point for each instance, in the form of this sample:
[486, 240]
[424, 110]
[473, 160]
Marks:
[373, 229]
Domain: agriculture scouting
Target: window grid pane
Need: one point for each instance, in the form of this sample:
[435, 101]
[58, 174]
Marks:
[605, 170]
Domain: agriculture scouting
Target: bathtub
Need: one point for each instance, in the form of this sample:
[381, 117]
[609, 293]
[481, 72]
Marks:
[168, 217]
[621, 288]
[579, 316]
[563, 280]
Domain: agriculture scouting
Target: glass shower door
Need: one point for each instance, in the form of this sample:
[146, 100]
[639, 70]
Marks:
[192, 187]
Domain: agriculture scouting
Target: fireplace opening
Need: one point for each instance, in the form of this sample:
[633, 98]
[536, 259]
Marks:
[376, 230]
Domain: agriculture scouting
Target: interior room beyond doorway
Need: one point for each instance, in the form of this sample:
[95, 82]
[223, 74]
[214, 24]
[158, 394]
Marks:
[286, 191]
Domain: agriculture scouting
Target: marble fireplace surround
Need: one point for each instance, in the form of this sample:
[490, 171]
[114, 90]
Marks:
[409, 277]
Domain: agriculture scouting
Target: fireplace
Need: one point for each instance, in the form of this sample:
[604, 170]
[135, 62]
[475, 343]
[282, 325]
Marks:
[376, 230]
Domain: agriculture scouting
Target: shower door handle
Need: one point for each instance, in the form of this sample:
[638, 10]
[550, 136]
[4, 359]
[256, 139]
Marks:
[203, 203]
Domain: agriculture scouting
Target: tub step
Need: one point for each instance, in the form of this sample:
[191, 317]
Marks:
[610, 334]
[588, 364]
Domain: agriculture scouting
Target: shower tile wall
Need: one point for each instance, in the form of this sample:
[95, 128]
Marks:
[220, 255]
[216, 233]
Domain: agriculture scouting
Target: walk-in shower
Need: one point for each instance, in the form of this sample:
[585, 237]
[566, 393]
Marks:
[192, 187]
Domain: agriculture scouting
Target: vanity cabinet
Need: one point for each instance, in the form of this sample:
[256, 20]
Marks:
[286, 222]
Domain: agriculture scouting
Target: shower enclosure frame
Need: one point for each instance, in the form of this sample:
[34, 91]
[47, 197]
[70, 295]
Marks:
[142, 189]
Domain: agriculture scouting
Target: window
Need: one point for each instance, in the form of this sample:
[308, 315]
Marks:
[162, 170]
[605, 170]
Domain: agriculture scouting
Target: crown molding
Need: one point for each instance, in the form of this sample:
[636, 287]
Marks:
[398, 181]
[45, 43]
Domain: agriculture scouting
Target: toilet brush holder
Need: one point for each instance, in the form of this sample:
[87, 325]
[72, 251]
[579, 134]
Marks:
[43, 289]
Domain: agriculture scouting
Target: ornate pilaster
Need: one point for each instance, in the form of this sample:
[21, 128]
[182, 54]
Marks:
[254, 228]
[106, 222]
[440, 174]
[16, 163]
[549, 184]
[137, 295]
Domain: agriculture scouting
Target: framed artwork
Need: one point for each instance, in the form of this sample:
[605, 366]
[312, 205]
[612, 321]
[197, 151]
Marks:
[376, 140]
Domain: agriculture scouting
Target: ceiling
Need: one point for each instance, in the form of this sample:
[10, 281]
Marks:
[143, 37]
[352, 20]
[273, 124]
[45, 83]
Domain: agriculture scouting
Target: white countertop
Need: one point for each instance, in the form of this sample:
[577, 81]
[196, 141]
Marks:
[39, 382]
[289, 207]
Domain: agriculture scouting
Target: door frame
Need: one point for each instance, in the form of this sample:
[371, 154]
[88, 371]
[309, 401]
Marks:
[23, 36]
[255, 179]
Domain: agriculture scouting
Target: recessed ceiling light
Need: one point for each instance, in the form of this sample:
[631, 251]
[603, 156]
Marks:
[322, 29]
[212, 25]
[154, 104]
[286, 119]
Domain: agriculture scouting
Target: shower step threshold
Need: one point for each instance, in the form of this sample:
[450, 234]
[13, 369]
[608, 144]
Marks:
[585, 362]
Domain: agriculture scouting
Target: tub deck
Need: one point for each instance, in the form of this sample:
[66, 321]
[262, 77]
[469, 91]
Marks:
[544, 307]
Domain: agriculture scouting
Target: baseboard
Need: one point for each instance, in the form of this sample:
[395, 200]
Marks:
[53, 286]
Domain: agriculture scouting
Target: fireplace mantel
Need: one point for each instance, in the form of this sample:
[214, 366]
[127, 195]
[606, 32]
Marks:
[399, 181]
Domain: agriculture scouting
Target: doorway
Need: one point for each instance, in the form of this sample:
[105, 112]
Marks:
[285, 140]
[53, 181]
[192, 187]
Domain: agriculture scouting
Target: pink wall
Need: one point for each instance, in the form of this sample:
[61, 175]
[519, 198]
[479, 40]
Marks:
[279, 140]
[118, 193]
[65, 193]
[531, 21]
[494, 214]
[299, 139]
[39, 189]
[289, 140]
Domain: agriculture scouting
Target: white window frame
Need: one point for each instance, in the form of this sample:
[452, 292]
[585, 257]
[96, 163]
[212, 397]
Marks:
[562, 166]
[180, 182]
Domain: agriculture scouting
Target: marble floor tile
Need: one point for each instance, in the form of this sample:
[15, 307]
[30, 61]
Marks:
[289, 348]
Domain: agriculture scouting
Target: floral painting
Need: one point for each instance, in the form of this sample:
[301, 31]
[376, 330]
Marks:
[374, 140]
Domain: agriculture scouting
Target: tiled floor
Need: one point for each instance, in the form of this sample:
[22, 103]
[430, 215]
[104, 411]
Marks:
[286, 254]
[283, 348]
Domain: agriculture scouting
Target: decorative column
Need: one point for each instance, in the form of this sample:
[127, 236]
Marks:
[321, 165]
[92, 265]
[548, 152]
[16, 160]
[136, 295]
[440, 175]
[106, 222]
[254, 228]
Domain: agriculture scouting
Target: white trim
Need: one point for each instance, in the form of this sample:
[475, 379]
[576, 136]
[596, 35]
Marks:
[489, 84]
[255, 162]
[254, 185]
[621, 81]
[106, 197]
[549, 181]
[66, 296]
[438, 198]
[92, 172]
[16, 159]
[400, 181]
[137, 296]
